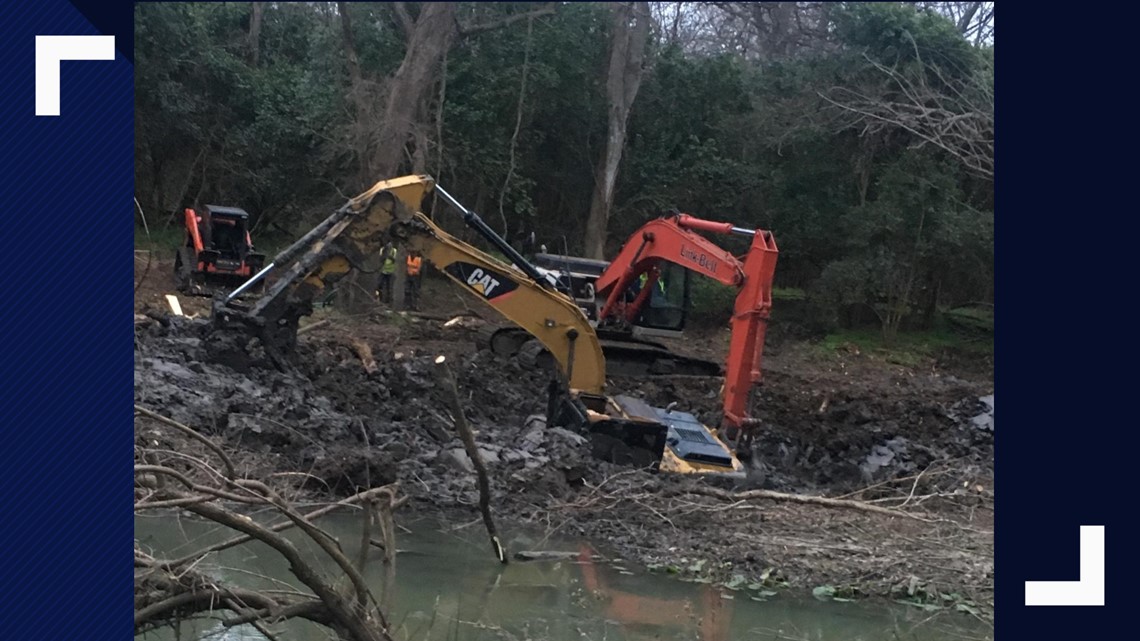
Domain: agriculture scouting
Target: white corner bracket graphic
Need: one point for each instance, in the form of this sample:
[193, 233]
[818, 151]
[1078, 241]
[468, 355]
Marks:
[1089, 590]
[50, 50]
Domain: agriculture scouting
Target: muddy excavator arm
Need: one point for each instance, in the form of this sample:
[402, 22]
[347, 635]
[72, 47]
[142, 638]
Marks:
[352, 238]
[675, 239]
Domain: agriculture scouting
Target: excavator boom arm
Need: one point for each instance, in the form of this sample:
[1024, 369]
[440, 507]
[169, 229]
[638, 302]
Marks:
[666, 239]
[551, 317]
[353, 236]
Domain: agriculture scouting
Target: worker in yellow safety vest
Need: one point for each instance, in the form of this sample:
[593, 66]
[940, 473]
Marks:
[387, 271]
[644, 278]
[414, 263]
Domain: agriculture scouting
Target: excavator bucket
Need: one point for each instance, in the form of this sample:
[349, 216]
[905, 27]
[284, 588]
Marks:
[629, 431]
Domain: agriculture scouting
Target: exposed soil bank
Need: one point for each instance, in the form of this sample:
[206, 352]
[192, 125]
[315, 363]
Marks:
[834, 426]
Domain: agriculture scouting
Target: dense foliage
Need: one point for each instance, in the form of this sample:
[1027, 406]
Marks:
[865, 142]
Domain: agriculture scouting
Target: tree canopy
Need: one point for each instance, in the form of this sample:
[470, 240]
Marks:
[860, 134]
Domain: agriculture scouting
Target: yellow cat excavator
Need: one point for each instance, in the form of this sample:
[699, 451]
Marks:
[622, 429]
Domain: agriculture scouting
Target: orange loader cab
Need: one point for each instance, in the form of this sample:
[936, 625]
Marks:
[217, 252]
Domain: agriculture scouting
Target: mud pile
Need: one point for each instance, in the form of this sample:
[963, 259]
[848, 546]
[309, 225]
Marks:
[840, 435]
[347, 428]
[330, 427]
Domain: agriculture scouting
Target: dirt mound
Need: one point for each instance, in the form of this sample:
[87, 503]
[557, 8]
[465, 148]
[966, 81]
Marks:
[330, 426]
[842, 435]
[347, 428]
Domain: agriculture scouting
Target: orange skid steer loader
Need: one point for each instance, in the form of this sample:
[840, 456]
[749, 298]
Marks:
[217, 254]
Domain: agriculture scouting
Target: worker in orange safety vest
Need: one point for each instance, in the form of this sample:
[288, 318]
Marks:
[415, 262]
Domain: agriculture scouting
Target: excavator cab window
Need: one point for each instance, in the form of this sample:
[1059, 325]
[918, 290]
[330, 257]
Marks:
[668, 300]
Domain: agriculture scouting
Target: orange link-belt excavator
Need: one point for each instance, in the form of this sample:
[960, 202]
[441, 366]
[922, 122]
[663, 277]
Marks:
[644, 293]
[622, 429]
[674, 240]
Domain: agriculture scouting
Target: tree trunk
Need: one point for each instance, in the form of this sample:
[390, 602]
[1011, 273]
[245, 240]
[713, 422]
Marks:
[605, 181]
[258, 10]
[363, 123]
[930, 308]
[428, 38]
[623, 78]
[157, 196]
[357, 290]
[774, 22]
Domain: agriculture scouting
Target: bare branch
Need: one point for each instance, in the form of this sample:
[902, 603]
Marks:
[968, 17]
[953, 114]
[224, 545]
[545, 10]
[192, 433]
[447, 385]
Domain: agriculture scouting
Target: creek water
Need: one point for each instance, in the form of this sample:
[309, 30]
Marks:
[449, 586]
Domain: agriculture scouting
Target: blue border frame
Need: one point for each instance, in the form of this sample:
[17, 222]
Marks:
[65, 322]
[1064, 225]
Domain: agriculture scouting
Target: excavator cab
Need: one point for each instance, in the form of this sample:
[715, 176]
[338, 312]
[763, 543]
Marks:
[575, 277]
[664, 313]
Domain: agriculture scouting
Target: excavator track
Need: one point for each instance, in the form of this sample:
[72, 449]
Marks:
[624, 357]
[643, 358]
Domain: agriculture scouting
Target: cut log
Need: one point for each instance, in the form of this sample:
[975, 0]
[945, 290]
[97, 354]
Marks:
[543, 555]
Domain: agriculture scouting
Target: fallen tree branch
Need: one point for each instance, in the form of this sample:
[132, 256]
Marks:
[200, 594]
[255, 621]
[169, 591]
[447, 383]
[468, 30]
[365, 535]
[325, 540]
[345, 612]
[901, 479]
[158, 505]
[229, 543]
[158, 470]
[194, 434]
[441, 317]
[798, 498]
[312, 326]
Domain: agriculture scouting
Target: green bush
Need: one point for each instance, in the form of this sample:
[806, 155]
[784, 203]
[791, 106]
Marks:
[710, 302]
[161, 239]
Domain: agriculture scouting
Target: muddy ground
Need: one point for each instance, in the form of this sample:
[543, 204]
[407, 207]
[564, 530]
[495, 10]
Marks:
[845, 424]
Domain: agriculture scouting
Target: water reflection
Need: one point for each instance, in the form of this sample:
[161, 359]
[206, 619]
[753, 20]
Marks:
[449, 586]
